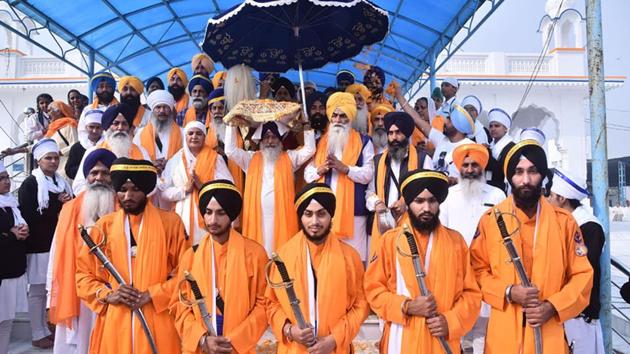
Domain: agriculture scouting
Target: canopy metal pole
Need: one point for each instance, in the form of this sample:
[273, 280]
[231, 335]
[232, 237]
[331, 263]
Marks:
[302, 90]
[432, 73]
[599, 164]
[90, 73]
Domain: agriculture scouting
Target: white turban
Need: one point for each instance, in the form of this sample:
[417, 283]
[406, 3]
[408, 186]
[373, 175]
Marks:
[160, 97]
[568, 186]
[451, 80]
[533, 134]
[472, 101]
[500, 116]
[194, 124]
[44, 147]
[93, 116]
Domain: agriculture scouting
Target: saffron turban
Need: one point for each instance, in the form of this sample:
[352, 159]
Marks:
[225, 193]
[104, 156]
[283, 82]
[417, 181]
[200, 80]
[402, 120]
[381, 109]
[500, 116]
[205, 61]
[132, 81]
[158, 97]
[216, 79]
[180, 73]
[477, 152]
[216, 95]
[472, 101]
[533, 134]
[568, 186]
[141, 173]
[63, 107]
[44, 147]
[360, 89]
[152, 80]
[344, 101]
[102, 76]
[462, 121]
[112, 112]
[320, 192]
[345, 75]
[530, 150]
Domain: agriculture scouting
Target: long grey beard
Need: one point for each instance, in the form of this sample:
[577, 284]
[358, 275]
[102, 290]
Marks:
[271, 154]
[379, 139]
[161, 126]
[337, 138]
[120, 143]
[399, 152]
[472, 187]
[219, 128]
[360, 124]
[98, 201]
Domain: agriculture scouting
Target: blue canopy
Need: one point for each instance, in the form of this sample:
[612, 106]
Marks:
[147, 37]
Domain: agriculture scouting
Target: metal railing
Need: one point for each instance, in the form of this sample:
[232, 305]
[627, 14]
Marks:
[619, 307]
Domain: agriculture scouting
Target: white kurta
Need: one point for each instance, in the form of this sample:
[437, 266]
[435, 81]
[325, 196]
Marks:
[358, 174]
[172, 188]
[444, 152]
[242, 158]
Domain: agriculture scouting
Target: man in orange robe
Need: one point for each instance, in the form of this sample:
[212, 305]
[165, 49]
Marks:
[131, 88]
[552, 250]
[414, 322]
[72, 318]
[145, 245]
[177, 82]
[269, 186]
[328, 278]
[230, 272]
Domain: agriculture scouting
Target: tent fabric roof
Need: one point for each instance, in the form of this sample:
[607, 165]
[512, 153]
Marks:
[147, 37]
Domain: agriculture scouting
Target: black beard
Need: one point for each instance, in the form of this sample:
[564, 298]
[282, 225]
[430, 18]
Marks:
[424, 226]
[176, 91]
[398, 149]
[313, 238]
[319, 121]
[105, 97]
[133, 101]
[526, 200]
[137, 210]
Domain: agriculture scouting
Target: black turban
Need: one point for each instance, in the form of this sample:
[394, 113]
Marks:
[283, 82]
[141, 172]
[112, 112]
[314, 97]
[402, 120]
[226, 194]
[531, 150]
[95, 156]
[318, 191]
[273, 128]
[418, 180]
[151, 80]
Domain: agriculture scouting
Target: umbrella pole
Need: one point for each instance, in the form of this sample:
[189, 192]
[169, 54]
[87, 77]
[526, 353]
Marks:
[302, 90]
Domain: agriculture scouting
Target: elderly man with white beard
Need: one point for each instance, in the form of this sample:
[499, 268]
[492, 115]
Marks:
[268, 213]
[72, 318]
[461, 210]
[378, 133]
[344, 161]
[361, 123]
[192, 166]
[117, 125]
[162, 137]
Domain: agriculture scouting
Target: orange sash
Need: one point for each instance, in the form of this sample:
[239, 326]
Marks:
[134, 152]
[211, 136]
[204, 169]
[147, 140]
[379, 184]
[64, 302]
[343, 221]
[285, 222]
[59, 123]
[137, 120]
[182, 104]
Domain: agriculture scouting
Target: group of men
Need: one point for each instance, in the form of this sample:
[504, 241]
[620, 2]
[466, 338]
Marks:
[356, 206]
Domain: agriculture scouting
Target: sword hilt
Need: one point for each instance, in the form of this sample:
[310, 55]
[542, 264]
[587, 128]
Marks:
[282, 268]
[413, 246]
[194, 287]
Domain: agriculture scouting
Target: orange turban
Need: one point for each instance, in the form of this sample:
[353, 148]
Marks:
[381, 109]
[131, 80]
[360, 89]
[205, 60]
[477, 152]
[180, 73]
[220, 75]
[63, 107]
[344, 101]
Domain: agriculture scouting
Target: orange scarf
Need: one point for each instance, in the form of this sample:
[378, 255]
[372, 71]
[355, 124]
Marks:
[343, 221]
[64, 302]
[147, 140]
[204, 169]
[137, 120]
[211, 136]
[182, 104]
[59, 123]
[379, 183]
[95, 103]
[134, 152]
[284, 219]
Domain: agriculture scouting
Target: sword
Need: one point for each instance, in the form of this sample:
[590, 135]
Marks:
[201, 303]
[520, 269]
[420, 274]
[96, 250]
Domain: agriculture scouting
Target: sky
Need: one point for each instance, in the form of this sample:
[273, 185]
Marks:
[522, 19]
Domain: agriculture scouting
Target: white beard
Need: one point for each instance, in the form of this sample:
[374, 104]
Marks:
[379, 139]
[337, 138]
[161, 126]
[219, 128]
[271, 154]
[98, 201]
[472, 188]
[120, 143]
[360, 124]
